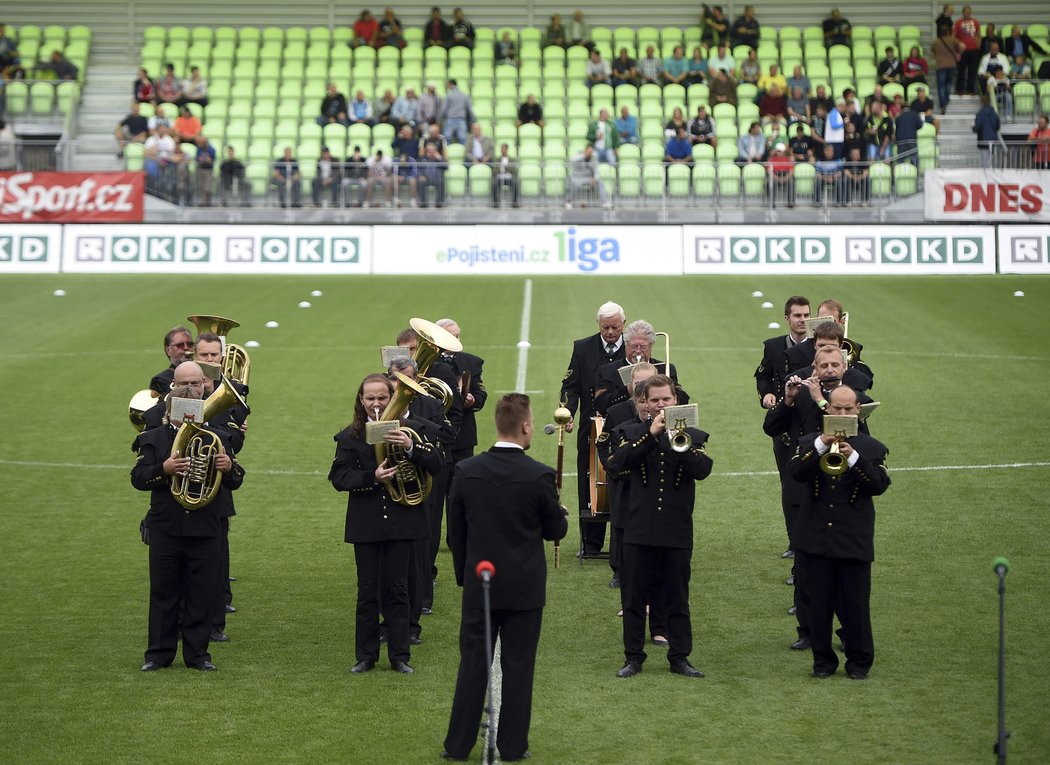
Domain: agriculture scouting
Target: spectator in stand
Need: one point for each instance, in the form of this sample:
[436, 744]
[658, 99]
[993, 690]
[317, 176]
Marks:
[583, 174]
[555, 33]
[722, 88]
[326, 180]
[781, 168]
[456, 113]
[829, 178]
[991, 37]
[702, 128]
[835, 128]
[751, 146]
[8, 148]
[169, 89]
[506, 51]
[405, 149]
[677, 121]
[8, 49]
[355, 178]
[923, 105]
[403, 112]
[231, 173]
[772, 106]
[530, 112]
[773, 137]
[856, 178]
[896, 106]
[428, 109]
[382, 108]
[205, 168]
[993, 61]
[986, 125]
[722, 59]
[837, 30]
[946, 17]
[187, 127]
[627, 126]
[1040, 136]
[697, 67]
[287, 179]
[194, 89]
[480, 147]
[434, 138]
[1020, 69]
[750, 69]
[624, 71]
[462, 31]
[967, 31]
[798, 107]
[158, 151]
[679, 149]
[915, 68]
[714, 26]
[432, 167]
[134, 128]
[798, 79]
[1018, 44]
[603, 138]
[890, 68]
[159, 120]
[745, 30]
[436, 31]
[389, 31]
[144, 89]
[63, 68]
[650, 68]
[821, 98]
[178, 177]
[676, 68]
[359, 111]
[579, 33]
[366, 30]
[802, 145]
[381, 174]
[906, 132]
[853, 140]
[775, 77]
[849, 95]
[598, 69]
[878, 130]
[999, 87]
[876, 95]
[505, 173]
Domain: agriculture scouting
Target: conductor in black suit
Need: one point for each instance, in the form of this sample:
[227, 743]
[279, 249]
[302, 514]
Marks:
[769, 381]
[577, 389]
[184, 547]
[504, 504]
[178, 347]
[834, 540]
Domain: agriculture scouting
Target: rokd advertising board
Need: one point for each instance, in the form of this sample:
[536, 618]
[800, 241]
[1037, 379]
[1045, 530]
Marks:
[218, 249]
[33, 249]
[531, 250]
[1024, 249]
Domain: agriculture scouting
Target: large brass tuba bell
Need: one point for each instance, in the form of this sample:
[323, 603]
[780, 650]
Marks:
[140, 402]
[200, 485]
[217, 325]
[411, 485]
[432, 341]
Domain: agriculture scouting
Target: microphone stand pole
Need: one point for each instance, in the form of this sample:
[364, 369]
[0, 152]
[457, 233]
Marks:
[490, 748]
[1001, 568]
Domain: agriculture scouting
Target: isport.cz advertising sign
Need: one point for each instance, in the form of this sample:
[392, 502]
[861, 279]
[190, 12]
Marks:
[568, 249]
[71, 197]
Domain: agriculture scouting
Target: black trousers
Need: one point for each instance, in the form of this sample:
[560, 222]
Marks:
[656, 598]
[223, 592]
[788, 485]
[592, 534]
[442, 482]
[420, 584]
[183, 577]
[383, 564]
[519, 634]
[831, 585]
[616, 549]
[648, 570]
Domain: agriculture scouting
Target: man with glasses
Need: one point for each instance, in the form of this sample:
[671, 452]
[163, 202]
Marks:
[178, 346]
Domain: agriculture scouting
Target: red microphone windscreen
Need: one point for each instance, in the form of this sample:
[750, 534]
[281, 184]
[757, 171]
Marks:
[485, 567]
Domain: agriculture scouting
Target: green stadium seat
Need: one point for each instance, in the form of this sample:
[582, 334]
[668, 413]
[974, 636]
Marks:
[17, 97]
[697, 94]
[41, 97]
[529, 150]
[862, 34]
[530, 179]
[286, 131]
[905, 177]
[679, 180]
[746, 93]
[813, 34]
[178, 34]
[815, 53]
[892, 89]
[754, 177]
[726, 151]
[149, 34]
[881, 180]
[805, 175]
[728, 181]
[630, 173]
[703, 152]
[653, 179]
[790, 34]
[724, 113]
[480, 178]
[839, 53]
[739, 52]
[1024, 97]
[134, 157]
[455, 181]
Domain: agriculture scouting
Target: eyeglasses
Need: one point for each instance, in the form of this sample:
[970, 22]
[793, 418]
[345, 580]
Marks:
[180, 345]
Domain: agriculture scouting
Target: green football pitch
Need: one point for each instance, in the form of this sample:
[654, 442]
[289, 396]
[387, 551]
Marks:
[961, 368]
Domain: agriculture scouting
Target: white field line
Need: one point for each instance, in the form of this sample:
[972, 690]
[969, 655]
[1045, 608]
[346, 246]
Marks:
[523, 339]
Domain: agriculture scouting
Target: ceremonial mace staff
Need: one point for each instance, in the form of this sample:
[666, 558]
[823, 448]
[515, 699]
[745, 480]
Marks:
[562, 417]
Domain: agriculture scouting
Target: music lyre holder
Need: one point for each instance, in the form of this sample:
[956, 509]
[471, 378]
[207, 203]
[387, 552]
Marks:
[1001, 566]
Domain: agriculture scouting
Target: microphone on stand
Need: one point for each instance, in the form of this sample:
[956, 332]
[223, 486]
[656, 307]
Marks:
[485, 571]
[1001, 566]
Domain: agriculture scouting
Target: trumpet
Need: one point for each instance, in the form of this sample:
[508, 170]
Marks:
[680, 440]
[832, 462]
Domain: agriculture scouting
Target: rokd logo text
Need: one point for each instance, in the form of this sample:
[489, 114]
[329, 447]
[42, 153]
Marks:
[587, 253]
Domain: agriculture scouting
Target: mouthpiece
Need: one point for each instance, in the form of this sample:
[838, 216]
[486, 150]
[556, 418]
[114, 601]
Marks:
[549, 429]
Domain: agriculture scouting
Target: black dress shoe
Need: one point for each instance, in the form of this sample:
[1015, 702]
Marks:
[453, 758]
[402, 667]
[614, 583]
[426, 611]
[630, 669]
[415, 640]
[686, 669]
[788, 554]
[152, 666]
[820, 673]
[217, 636]
[526, 755]
[204, 666]
[231, 579]
[365, 665]
[792, 611]
[857, 675]
[801, 644]
[230, 609]
[790, 581]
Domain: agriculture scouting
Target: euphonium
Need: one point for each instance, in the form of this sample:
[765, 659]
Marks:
[411, 486]
[140, 402]
[217, 325]
[432, 341]
[832, 462]
[199, 486]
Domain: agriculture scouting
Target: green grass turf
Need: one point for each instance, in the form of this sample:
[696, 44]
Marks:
[961, 367]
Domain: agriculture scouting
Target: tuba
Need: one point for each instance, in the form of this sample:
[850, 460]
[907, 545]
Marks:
[140, 402]
[411, 485]
[217, 325]
[199, 486]
[235, 363]
[432, 341]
